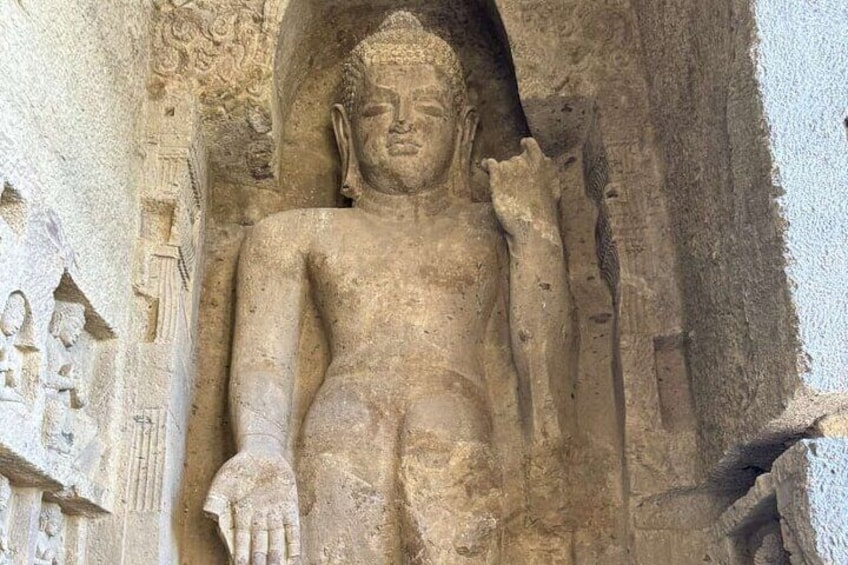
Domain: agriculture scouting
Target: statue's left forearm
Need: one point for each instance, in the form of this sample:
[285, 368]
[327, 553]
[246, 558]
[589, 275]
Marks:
[540, 314]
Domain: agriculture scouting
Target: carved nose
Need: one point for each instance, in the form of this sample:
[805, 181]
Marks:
[402, 123]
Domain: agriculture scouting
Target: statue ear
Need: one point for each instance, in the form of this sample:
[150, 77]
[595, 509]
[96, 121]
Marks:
[468, 122]
[341, 127]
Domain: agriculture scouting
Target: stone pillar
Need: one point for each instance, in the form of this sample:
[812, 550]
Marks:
[173, 204]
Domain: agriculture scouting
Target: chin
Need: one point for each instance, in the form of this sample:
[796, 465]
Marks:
[413, 175]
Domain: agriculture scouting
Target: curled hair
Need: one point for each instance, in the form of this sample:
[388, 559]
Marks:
[401, 39]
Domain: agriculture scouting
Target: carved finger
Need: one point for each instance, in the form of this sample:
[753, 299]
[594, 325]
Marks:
[216, 506]
[243, 516]
[534, 152]
[241, 555]
[292, 542]
[291, 525]
[259, 539]
[495, 171]
[227, 529]
[276, 546]
[259, 549]
[276, 537]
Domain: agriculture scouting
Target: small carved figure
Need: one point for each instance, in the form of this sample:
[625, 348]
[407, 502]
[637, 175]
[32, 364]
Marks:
[11, 362]
[50, 545]
[768, 547]
[395, 460]
[771, 551]
[66, 387]
[5, 502]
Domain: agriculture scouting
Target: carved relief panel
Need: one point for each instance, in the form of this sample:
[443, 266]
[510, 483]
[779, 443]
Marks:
[57, 390]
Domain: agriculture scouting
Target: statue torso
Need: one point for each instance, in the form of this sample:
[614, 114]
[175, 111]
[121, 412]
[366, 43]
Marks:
[396, 295]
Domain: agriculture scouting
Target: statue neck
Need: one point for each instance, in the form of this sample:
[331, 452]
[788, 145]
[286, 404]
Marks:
[404, 207]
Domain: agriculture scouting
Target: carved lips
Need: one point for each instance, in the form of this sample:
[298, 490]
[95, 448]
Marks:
[402, 145]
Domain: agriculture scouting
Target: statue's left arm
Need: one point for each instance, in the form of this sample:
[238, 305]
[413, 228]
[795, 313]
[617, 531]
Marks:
[525, 195]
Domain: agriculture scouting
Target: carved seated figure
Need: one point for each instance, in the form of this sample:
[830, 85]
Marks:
[11, 363]
[49, 546]
[66, 388]
[394, 461]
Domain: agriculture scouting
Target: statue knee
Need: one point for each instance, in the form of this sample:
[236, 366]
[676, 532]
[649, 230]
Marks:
[450, 482]
[337, 419]
[447, 416]
[451, 501]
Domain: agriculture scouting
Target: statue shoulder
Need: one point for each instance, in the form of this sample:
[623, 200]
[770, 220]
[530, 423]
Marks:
[481, 215]
[294, 228]
[287, 237]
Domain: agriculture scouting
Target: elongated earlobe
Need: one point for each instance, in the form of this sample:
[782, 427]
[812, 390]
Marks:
[350, 182]
[468, 122]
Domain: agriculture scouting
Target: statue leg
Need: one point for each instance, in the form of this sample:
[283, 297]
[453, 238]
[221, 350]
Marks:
[450, 483]
[346, 482]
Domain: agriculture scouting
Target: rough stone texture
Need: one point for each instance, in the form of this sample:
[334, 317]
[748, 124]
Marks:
[805, 496]
[168, 259]
[716, 72]
[710, 321]
[809, 149]
[739, 317]
[73, 103]
[73, 113]
[569, 59]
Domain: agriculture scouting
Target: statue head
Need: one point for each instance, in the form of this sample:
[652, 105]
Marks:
[404, 125]
[13, 315]
[50, 520]
[67, 322]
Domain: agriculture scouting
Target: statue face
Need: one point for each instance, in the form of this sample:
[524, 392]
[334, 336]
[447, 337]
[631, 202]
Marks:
[13, 315]
[70, 330]
[404, 128]
[53, 526]
[51, 520]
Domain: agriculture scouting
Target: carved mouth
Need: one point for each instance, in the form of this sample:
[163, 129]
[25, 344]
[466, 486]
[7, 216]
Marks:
[402, 146]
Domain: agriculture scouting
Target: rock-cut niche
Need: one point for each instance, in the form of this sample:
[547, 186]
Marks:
[316, 39]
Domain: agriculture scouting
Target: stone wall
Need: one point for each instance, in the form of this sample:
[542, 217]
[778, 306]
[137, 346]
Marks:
[73, 109]
[686, 366]
[73, 105]
[743, 343]
[738, 198]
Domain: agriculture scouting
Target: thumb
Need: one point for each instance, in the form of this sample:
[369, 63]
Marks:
[216, 505]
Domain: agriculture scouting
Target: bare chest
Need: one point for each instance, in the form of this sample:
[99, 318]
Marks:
[407, 273]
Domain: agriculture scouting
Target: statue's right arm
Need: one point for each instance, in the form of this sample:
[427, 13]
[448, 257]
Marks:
[253, 497]
[270, 296]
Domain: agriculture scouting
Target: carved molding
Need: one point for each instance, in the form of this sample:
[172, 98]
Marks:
[225, 48]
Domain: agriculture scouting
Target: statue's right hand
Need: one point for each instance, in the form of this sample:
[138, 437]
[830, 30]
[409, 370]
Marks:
[253, 498]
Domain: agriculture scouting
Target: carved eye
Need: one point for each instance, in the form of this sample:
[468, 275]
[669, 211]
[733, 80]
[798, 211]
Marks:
[433, 109]
[371, 110]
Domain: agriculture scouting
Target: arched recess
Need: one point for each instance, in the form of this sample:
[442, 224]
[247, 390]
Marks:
[316, 38]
